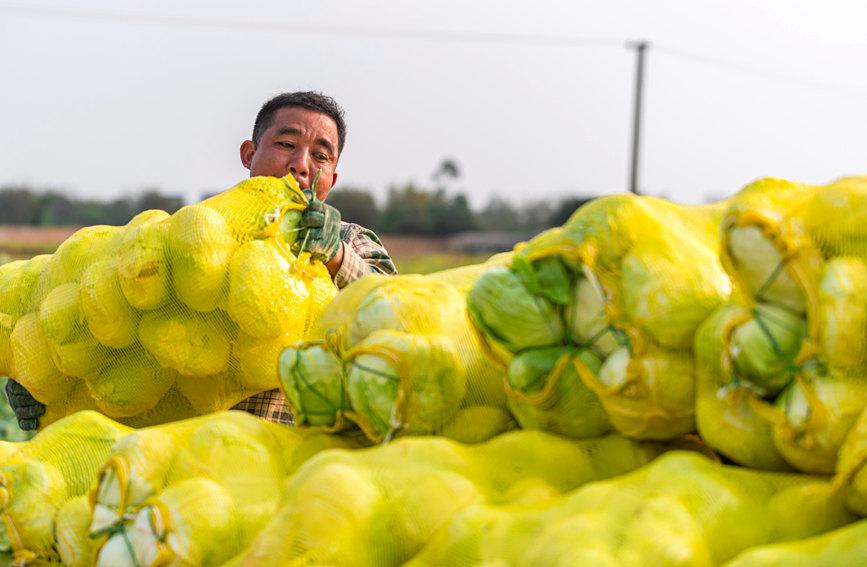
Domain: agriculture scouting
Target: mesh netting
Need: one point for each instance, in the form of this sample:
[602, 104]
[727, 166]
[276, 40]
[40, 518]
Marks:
[398, 355]
[379, 506]
[843, 546]
[39, 476]
[193, 492]
[595, 319]
[782, 367]
[681, 509]
[169, 316]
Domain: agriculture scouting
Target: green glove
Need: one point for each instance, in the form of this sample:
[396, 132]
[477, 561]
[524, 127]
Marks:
[320, 234]
[27, 409]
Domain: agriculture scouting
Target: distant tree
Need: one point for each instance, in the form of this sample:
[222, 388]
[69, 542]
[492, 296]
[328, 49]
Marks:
[19, 205]
[407, 211]
[56, 209]
[534, 215]
[498, 214]
[565, 208]
[154, 199]
[450, 215]
[355, 205]
[447, 170]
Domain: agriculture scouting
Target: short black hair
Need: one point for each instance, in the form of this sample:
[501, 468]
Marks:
[310, 100]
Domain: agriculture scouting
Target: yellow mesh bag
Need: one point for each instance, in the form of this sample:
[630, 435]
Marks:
[595, 319]
[782, 368]
[380, 506]
[681, 509]
[398, 355]
[843, 546]
[71, 527]
[192, 492]
[169, 316]
[39, 477]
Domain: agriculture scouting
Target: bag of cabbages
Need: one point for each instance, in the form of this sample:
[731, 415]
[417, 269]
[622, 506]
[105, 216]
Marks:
[169, 316]
[398, 356]
[782, 367]
[595, 319]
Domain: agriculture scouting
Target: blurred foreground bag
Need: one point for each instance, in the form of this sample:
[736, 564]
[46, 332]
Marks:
[380, 506]
[38, 478]
[595, 319]
[782, 368]
[681, 509]
[193, 492]
[169, 316]
[843, 546]
[398, 355]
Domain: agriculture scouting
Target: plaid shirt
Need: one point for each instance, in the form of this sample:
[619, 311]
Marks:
[363, 253]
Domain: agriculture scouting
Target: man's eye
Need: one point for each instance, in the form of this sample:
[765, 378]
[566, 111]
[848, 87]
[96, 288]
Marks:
[321, 157]
[288, 145]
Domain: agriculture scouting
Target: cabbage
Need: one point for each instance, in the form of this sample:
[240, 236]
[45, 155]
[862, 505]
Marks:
[843, 312]
[556, 401]
[764, 348]
[503, 307]
[649, 395]
[314, 381]
[587, 319]
[403, 381]
[763, 269]
[818, 409]
[547, 277]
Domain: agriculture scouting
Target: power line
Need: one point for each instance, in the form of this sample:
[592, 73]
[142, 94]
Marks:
[490, 38]
[764, 73]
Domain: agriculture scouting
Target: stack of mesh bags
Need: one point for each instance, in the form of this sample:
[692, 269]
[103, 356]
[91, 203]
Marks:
[169, 316]
[595, 320]
[844, 546]
[380, 506]
[191, 492]
[40, 478]
[782, 368]
[398, 355]
[681, 509]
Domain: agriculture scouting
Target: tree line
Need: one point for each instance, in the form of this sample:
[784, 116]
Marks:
[408, 209]
[23, 205]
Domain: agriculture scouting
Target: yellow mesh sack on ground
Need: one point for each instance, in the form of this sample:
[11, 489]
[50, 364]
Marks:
[169, 316]
[38, 477]
[782, 368]
[398, 355]
[595, 319]
[681, 509]
[193, 492]
[843, 546]
[379, 506]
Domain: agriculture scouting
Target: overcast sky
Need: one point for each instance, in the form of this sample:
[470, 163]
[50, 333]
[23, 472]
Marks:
[532, 99]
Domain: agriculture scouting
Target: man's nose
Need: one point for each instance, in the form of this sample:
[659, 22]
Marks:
[298, 165]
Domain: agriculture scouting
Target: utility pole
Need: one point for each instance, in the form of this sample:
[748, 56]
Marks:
[640, 47]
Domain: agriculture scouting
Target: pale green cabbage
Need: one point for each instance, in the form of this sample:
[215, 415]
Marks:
[314, 381]
[764, 348]
[572, 409]
[506, 311]
[762, 268]
[843, 312]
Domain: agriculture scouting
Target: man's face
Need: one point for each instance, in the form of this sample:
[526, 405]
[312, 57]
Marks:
[299, 141]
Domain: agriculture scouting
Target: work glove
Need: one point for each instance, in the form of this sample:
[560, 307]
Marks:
[320, 230]
[27, 409]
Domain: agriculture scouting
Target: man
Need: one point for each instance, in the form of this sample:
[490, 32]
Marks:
[301, 133]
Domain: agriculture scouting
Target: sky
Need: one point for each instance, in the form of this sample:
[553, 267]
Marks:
[532, 99]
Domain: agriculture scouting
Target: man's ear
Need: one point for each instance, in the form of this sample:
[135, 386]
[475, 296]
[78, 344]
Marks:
[322, 193]
[248, 148]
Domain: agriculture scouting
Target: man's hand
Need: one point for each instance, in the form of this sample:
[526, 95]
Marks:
[27, 409]
[321, 230]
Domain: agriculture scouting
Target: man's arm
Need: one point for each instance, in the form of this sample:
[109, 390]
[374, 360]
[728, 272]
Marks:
[363, 253]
